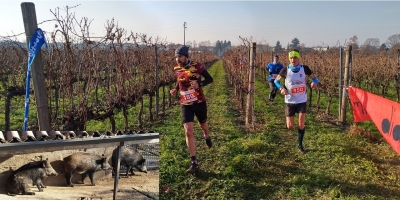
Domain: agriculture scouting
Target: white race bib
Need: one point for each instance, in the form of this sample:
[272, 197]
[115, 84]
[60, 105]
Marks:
[298, 89]
[188, 96]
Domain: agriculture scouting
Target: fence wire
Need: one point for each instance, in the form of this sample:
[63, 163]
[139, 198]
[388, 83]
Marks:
[150, 151]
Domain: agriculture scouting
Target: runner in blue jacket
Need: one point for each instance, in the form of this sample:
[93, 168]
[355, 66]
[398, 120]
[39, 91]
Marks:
[273, 69]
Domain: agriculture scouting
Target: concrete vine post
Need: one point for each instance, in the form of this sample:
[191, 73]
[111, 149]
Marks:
[250, 94]
[39, 83]
[346, 80]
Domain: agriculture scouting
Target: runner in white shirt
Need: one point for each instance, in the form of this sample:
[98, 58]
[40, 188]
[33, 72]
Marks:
[295, 92]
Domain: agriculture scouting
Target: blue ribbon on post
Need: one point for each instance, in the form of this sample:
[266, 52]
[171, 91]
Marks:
[35, 44]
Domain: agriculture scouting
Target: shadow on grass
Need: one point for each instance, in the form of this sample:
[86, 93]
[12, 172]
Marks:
[290, 180]
[319, 181]
[377, 159]
[306, 184]
[206, 175]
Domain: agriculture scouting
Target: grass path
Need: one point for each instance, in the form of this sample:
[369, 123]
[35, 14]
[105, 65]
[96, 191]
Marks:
[265, 164]
[211, 180]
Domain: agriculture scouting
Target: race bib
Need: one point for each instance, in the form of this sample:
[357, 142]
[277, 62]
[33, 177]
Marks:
[273, 76]
[189, 96]
[298, 89]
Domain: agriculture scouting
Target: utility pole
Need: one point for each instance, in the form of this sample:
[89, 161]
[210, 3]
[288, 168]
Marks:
[184, 28]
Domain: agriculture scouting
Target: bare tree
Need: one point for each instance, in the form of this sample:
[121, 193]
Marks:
[302, 46]
[354, 42]
[393, 40]
[370, 45]
[203, 45]
[194, 43]
[372, 42]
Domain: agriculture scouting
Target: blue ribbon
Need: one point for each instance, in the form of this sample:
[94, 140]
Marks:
[34, 46]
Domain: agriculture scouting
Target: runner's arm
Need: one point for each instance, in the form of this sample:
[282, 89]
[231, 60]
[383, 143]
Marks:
[207, 78]
[310, 74]
[267, 69]
[278, 82]
[314, 79]
[282, 74]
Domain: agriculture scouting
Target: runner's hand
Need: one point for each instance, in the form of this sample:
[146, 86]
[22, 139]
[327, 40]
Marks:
[284, 91]
[195, 85]
[173, 91]
[313, 85]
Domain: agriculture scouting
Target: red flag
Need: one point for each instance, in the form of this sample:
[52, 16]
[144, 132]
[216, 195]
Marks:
[358, 100]
[383, 112]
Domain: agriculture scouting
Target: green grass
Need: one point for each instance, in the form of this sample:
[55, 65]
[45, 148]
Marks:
[265, 163]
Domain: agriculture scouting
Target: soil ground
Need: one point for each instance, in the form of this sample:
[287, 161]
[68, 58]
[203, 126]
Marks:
[141, 186]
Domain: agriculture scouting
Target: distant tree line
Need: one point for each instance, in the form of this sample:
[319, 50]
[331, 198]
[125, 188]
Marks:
[218, 48]
[371, 45]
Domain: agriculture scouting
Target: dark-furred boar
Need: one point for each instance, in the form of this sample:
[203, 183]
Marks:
[130, 158]
[84, 163]
[31, 173]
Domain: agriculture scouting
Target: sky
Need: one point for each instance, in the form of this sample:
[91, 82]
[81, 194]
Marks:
[314, 23]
